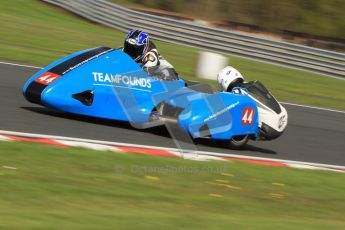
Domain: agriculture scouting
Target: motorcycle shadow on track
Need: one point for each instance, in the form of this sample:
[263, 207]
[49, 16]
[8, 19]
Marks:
[248, 148]
[159, 131]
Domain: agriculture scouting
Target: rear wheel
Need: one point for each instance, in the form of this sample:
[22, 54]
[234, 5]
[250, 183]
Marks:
[238, 142]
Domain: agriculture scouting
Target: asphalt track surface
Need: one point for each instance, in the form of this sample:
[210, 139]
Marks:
[312, 135]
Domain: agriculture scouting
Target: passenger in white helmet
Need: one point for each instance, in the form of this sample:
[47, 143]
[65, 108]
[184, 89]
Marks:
[228, 78]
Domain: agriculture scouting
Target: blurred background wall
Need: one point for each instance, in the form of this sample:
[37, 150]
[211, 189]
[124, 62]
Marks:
[322, 19]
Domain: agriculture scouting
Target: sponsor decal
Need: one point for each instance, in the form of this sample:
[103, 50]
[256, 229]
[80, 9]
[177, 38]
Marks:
[85, 61]
[247, 116]
[282, 121]
[222, 111]
[121, 79]
[47, 78]
[76, 61]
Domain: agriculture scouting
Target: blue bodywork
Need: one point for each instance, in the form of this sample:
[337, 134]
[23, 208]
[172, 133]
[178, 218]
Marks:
[120, 90]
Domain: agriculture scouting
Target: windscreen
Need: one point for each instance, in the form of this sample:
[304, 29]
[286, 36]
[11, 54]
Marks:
[259, 92]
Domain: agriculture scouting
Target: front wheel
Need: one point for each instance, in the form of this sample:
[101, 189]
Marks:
[237, 142]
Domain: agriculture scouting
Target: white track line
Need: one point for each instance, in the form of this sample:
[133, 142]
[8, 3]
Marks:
[93, 146]
[21, 65]
[313, 107]
[3, 138]
[286, 103]
[62, 138]
[289, 162]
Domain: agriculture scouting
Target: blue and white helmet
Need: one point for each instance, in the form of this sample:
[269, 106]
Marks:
[136, 44]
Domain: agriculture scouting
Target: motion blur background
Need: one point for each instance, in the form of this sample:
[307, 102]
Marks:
[37, 32]
[318, 23]
[45, 187]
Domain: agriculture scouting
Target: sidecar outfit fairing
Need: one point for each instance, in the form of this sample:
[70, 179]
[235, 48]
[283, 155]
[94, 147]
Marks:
[106, 83]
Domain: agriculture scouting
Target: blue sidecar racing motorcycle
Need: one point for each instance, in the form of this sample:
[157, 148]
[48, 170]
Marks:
[106, 83]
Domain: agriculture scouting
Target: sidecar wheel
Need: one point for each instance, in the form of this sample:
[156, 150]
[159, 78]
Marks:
[237, 142]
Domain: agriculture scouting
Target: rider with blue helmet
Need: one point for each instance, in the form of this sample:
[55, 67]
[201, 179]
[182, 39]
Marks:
[139, 47]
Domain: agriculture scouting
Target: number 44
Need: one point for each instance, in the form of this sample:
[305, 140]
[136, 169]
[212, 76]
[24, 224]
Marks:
[47, 78]
[247, 116]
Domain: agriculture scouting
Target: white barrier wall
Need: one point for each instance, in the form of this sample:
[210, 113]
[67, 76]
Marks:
[209, 64]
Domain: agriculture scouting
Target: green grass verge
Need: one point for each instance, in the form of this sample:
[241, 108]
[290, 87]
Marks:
[71, 188]
[34, 32]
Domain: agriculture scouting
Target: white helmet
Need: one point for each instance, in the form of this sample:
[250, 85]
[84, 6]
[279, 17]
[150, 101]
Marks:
[228, 77]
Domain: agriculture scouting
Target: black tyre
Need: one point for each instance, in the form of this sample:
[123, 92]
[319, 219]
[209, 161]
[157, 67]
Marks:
[237, 142]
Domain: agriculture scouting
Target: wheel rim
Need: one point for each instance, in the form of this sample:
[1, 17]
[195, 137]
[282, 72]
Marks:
[239, 139]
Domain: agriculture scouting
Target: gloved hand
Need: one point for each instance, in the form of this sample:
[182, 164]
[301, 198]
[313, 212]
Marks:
[150, 60]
